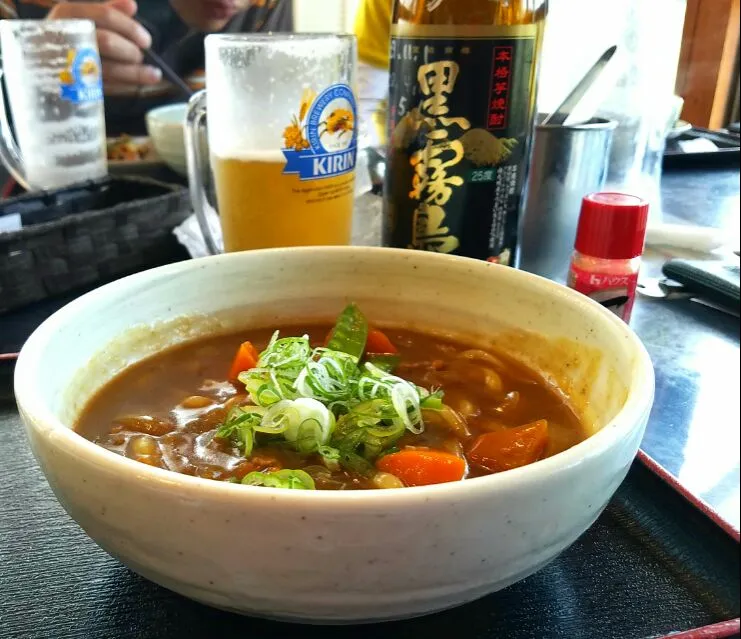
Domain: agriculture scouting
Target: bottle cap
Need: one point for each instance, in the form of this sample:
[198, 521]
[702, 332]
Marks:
[612, 226]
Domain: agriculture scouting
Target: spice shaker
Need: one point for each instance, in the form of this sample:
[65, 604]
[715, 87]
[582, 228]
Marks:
[608, 248]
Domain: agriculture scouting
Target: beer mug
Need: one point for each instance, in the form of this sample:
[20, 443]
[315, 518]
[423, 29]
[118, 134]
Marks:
[282, 139]
[55, 92]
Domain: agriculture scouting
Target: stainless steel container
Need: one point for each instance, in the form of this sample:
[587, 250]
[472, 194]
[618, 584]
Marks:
[568, 162]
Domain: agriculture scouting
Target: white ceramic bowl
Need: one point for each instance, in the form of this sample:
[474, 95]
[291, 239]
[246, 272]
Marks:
[334, 556]
[165, 126]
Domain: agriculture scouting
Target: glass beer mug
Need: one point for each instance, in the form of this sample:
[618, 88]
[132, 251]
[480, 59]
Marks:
[54, 87]
[282, 138]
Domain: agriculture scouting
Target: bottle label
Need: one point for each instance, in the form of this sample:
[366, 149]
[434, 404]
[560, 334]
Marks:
[460, 116]
[321, 141]
[616, 292]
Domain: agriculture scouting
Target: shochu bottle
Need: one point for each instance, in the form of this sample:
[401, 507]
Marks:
[461, 108]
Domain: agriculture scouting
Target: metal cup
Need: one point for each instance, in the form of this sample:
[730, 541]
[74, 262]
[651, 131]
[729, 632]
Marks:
[568, 162]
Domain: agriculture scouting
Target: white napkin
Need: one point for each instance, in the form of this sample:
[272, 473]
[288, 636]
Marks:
[190, 236]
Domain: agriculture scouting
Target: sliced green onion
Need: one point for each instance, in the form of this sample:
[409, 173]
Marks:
[305, 423]
[239, 427]
[329, 376]
[309, 436]
[280, 417]
[392, 431]
[404, 396]
[433, 401]
[386, 362]
[266, 395]
[330, 456]
[380, 438]
[286, 353]
[290, 479]
[368, 429]
[356, 464]
[323, 401]
[280, 364]
[350, 437]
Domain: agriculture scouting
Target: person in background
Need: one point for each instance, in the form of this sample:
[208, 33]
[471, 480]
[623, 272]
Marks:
[372, 28]
[175, 29]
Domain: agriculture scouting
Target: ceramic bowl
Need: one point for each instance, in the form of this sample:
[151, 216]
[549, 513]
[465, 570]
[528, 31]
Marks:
[335, 557]
[165, 126]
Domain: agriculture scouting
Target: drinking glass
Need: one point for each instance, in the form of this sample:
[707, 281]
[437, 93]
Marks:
[55, 92]
[282, 138]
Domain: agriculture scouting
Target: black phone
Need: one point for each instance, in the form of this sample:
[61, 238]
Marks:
[7, 368]
[716, 281]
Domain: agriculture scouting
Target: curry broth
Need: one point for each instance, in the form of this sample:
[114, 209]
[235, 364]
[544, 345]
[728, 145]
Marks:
[172, 387]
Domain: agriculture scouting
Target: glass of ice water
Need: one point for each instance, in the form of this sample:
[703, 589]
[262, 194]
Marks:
[54, 88]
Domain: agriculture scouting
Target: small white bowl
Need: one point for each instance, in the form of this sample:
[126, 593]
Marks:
[166, 127]
[334, 557]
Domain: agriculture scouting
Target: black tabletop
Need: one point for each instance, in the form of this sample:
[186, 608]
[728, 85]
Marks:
[57, 584]
[694, 426]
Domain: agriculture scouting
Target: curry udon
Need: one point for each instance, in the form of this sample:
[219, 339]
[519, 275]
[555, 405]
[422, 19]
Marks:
[331, 408]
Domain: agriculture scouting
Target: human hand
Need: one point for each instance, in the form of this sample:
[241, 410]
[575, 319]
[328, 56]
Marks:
[120, 41]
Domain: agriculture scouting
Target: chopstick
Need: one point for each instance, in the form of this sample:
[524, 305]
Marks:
[9, 10]
[153, 58]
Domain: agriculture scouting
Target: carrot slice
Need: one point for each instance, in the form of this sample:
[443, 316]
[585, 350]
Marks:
[378, 344]
[420, 467]
[245, 359]
[509, 448]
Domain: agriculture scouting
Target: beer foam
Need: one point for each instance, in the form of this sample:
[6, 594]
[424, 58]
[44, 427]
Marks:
[271, 156]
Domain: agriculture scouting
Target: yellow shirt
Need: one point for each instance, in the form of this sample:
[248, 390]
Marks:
[372, 27]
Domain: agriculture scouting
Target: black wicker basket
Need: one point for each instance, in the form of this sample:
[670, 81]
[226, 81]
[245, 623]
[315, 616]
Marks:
[87, 234]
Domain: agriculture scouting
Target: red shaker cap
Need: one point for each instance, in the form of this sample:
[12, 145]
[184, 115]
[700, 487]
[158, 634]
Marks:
[612, 226]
